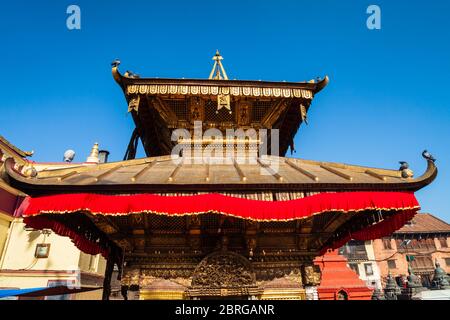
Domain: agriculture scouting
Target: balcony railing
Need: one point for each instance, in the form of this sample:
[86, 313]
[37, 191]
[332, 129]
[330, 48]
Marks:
[357, 256]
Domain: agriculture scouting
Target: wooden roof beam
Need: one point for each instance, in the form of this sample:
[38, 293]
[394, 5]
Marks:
[67, 175]
[141, 172]
[239, 171]
[207, 178]
[337, 172]
[107, 172]
[270, 170]
[375, 175]
[301, 170]
[175, 171]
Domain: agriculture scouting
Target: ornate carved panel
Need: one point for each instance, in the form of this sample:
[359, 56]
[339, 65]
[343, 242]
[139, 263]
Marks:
[224, 269]
[197, 109]
[244, 112]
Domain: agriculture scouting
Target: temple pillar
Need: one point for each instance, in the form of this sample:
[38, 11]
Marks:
[107, 280]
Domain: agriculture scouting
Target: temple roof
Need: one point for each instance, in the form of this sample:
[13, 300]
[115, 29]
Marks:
[12, 148]
[159, 106]
[161, 174]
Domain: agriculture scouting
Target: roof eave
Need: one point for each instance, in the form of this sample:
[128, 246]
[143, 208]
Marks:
[124, 81]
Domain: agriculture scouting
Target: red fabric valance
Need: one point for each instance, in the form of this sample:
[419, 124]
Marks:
[238, 207]
[37, 212]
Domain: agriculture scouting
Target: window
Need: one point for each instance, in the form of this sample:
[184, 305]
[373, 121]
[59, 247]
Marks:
[391, 264]
[447, 261]
[354, 250]
[424, 244]
[443, 242]
[422, 262]
[369, 269]
[354, 267]
[42, 250]
[387, 243]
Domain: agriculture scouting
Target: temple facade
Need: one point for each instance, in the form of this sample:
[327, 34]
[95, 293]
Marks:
[215, 209]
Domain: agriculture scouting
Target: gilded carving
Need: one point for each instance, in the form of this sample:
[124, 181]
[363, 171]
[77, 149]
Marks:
[243, 115]
[215, 90]
[197, 108]
[303, 114]
[224, 269]
[223, 101]
[133, 105]
[311, 275]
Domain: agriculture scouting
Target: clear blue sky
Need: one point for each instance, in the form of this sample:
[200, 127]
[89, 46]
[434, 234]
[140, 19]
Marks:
[387, 99]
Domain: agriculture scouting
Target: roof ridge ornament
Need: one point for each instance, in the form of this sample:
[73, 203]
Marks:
[93, 157]
[218, 71]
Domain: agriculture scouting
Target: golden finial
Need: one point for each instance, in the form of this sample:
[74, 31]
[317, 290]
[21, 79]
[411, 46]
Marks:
[93, 157]
[218, 71]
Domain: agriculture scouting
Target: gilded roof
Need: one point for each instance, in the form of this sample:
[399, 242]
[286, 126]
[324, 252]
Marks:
[15, 149]
[162, 174]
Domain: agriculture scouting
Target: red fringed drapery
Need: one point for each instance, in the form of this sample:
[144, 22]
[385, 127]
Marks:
[404, 203]
[238, 207]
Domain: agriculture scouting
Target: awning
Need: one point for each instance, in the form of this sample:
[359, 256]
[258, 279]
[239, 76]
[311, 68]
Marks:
[38, 211]
[44, 291]
[258, 210]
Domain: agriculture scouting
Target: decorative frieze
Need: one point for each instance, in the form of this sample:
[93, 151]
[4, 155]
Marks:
[173, 89]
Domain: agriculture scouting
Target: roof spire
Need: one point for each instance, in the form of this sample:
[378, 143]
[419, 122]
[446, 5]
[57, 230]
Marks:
[218, 71]
[93, 157]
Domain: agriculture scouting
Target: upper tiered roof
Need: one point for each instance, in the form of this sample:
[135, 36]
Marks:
[159, 106]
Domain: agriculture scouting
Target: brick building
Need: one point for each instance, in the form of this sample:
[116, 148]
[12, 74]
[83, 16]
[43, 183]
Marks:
[426, 239]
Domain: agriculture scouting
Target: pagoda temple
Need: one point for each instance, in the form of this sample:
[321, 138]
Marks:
[239, 222]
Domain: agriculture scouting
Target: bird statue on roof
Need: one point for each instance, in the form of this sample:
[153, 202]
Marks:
[403, 165]
[131, 74]
[405, 170]
[115, 63]
[428, 156]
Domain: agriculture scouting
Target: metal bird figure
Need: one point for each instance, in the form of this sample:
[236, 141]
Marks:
[403, 165]
[428, 156]
[115, 63]
[131, 74]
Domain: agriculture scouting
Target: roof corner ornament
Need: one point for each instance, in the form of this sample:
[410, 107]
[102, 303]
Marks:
[405, 170]
[428, 156]
[93, 157]
[29, 170]
[115, 70]
[218, 71]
